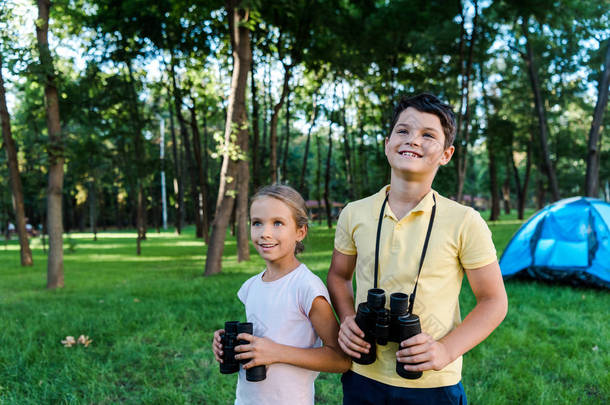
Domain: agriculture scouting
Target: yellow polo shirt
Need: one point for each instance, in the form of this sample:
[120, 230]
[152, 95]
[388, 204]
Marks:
[460, 239]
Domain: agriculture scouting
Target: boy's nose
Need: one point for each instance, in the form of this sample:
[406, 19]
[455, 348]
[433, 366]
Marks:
[412, 140]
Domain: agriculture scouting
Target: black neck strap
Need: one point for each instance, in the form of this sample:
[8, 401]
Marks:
[423, 253]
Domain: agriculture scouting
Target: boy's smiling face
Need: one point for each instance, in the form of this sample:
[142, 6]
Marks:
[416, 144]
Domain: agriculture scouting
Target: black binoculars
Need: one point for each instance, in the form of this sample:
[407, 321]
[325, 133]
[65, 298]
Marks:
[229, 340]
[382, 326]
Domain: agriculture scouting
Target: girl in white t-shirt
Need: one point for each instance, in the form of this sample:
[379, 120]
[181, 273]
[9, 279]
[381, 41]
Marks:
[295, 329]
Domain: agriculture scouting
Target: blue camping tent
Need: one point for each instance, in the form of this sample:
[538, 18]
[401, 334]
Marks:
[568, 240]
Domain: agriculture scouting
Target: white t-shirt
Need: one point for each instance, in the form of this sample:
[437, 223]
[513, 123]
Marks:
[279, 310]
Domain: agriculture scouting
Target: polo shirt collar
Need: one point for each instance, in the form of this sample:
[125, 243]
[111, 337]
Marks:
[425, 205]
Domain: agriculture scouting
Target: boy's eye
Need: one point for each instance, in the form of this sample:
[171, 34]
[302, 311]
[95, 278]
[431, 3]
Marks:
[256, 223]
[428, 135]
[278, 223]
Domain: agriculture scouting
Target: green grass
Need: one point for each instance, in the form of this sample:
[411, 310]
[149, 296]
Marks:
[152, 317]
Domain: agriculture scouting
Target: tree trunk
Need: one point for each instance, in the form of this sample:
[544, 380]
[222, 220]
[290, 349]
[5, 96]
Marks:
[185, 213]
[364, 172]
[178, 190]
[521, 190]
[7, 235]
[202, 198]
[355, 141]
[15, 178]
[101, 203]
[190, 160]
[55, 264]
[491, 156]
[236, 124]
[327, 202]
[347, 154]
[139, 156]
[493, 179]
[540, 192]
[155, 208]
[506, 191]
[43, 233]
[540, 110]
[284, 172]
[462, 144]
[495, 192]
[389, 114]
[314, 116]
[139, 219]
[255, 130]
[319, 178]
[266, 123]
[241, 209]
[232, 220]
[515, 171]
[526, 178]
[592, 175]
[118, 212]
[206, 187]
[457, 155]
[274, 121]
[460, 63]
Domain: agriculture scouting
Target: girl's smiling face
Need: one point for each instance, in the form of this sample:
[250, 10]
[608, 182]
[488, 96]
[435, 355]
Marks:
[274, 231]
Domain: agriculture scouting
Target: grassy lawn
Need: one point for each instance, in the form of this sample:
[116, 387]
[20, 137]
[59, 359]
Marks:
[151, 319]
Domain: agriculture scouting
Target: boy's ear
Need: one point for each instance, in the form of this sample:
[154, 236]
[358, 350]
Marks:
[447, 154]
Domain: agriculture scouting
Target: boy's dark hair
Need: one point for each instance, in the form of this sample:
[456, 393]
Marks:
[429, 103]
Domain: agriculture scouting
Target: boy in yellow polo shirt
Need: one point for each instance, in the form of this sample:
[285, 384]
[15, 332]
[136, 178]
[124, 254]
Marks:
[391, 228]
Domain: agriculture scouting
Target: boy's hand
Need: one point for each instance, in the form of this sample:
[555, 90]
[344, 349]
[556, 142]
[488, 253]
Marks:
[217, 345]
[351, 338]
[423, 349]
[260, 351]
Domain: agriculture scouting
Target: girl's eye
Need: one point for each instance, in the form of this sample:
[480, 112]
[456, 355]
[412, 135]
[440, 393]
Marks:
[256, 223]
[278, 223]
[403, 131]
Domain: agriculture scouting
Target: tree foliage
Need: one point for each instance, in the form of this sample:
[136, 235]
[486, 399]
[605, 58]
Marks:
[349, 60]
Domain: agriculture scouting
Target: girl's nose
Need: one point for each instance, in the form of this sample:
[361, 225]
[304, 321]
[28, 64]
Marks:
[266, 231]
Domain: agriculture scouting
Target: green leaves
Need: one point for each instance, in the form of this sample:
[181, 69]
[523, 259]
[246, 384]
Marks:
[230, 147]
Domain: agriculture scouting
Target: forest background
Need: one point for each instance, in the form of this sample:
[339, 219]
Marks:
[301, 92]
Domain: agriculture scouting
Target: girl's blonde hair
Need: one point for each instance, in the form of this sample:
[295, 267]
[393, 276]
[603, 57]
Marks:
[293, 200]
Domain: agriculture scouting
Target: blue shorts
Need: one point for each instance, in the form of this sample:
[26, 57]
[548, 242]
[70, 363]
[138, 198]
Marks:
[360, 390]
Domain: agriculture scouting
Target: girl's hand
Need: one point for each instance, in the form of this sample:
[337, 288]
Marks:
[423, 349]
[351, 338]
[217, 345]
[259, 350]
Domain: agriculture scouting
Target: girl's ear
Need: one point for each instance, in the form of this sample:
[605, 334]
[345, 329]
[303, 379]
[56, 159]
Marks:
[301, 233]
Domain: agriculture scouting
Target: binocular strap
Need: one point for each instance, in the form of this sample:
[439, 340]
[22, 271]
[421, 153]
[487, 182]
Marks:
[423, 253]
